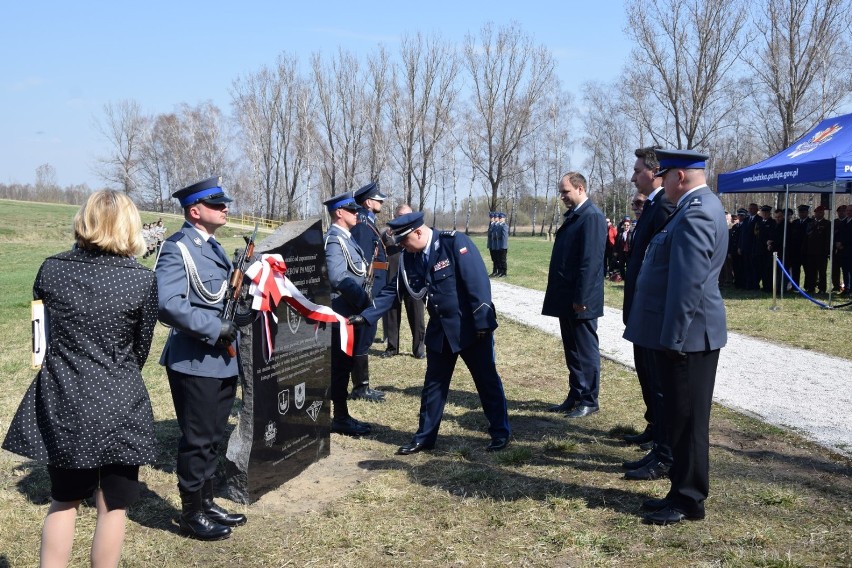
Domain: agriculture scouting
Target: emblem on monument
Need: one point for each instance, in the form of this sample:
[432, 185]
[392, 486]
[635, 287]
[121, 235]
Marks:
[284, 401]
[293, 319]
[313, 409]
[270, 434]
[299, 391]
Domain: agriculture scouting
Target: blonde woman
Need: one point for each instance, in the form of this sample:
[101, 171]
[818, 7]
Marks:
[87, 414]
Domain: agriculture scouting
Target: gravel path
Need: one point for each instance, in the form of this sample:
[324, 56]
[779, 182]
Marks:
[796, 389]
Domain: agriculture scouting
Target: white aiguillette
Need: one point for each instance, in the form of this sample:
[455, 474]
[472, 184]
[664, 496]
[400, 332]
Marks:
[39, 333]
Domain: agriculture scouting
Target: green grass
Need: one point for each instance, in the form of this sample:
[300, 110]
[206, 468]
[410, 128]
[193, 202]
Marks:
[555, 497]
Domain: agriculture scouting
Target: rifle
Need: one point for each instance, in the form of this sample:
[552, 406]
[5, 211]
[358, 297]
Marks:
[235, 286]
[371, 273]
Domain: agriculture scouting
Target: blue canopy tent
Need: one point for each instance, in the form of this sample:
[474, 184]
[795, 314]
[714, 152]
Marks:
[819, 162]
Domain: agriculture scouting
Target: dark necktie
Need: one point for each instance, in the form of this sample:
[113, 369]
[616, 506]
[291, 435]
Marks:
[219, 250]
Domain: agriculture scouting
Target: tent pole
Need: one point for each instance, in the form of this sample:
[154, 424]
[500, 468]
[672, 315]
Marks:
[832, 219]
[774, 307]
[784, 239]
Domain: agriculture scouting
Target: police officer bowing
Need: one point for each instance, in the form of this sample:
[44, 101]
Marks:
[192, 278]
[447, 267]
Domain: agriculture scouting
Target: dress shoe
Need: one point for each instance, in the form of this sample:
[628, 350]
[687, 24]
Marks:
[497, 444]
[641, 438]
[413, 448]
[389, 353]
[654, 505]
[646, 459]
[649, 472]
[649, 445]
[566, 406]
[196, 524]
[669, 516]
[581, 410]
[364, 392]
[349, 426]
[219, 515]
[216, 513]
[421, 355]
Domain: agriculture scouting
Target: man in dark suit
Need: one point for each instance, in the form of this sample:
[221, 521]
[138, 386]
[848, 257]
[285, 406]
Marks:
[746, 249]
[654, 214]
[369, 238]
[683, 321]
[798, 229]
[446, 268]
[192, 279]
[574, 294]
[415, 310]
[764, 229]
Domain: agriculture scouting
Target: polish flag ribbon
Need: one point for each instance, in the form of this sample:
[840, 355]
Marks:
[270, 285]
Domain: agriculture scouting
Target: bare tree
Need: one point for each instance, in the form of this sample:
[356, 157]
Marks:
[801, 65]
[379, 85]
[509, 78]
[274, 110]
[423, 94]
[45, 176]
[341, 120]
[609, 138]
[122, 125]
[683, 62]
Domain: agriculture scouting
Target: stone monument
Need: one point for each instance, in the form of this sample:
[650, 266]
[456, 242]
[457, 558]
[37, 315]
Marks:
[284, 422]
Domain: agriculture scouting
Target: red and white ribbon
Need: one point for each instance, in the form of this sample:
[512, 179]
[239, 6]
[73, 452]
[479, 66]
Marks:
[270, 285]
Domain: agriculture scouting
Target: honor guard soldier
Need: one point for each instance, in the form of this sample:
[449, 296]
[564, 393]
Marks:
[501, 244]
[369, 238]
[682, 321]
[446, 268]
[192, 272]
[347, 272]
[489, 242]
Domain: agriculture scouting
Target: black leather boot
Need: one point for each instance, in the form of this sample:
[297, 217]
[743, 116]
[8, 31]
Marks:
[361, 382]
[216, 513]
[194, 523]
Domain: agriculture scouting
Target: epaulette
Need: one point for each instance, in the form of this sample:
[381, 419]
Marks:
[448, 233]
[175, 237]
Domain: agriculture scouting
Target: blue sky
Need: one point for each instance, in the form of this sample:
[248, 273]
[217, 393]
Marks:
[60, 62]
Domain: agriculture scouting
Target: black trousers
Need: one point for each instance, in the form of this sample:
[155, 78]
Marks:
[479, 359]
[583, 358]
[415, 314]
[815, 273]
[202, 406]
[687, 396]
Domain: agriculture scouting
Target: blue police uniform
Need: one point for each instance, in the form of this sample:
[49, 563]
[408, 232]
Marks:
[347, 271]
[489, 242]
[679, 314]
[192, 273]
[450, 273]
[576, 276]
[501, 244]
[369, 238]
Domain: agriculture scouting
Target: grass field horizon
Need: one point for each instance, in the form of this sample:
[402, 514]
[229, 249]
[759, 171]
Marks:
[555, 497]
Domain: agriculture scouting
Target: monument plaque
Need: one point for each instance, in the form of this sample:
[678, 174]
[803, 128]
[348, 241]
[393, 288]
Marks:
[284, 424]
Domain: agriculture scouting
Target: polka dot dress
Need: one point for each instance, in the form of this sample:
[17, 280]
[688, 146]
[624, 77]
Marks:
[88, 406]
